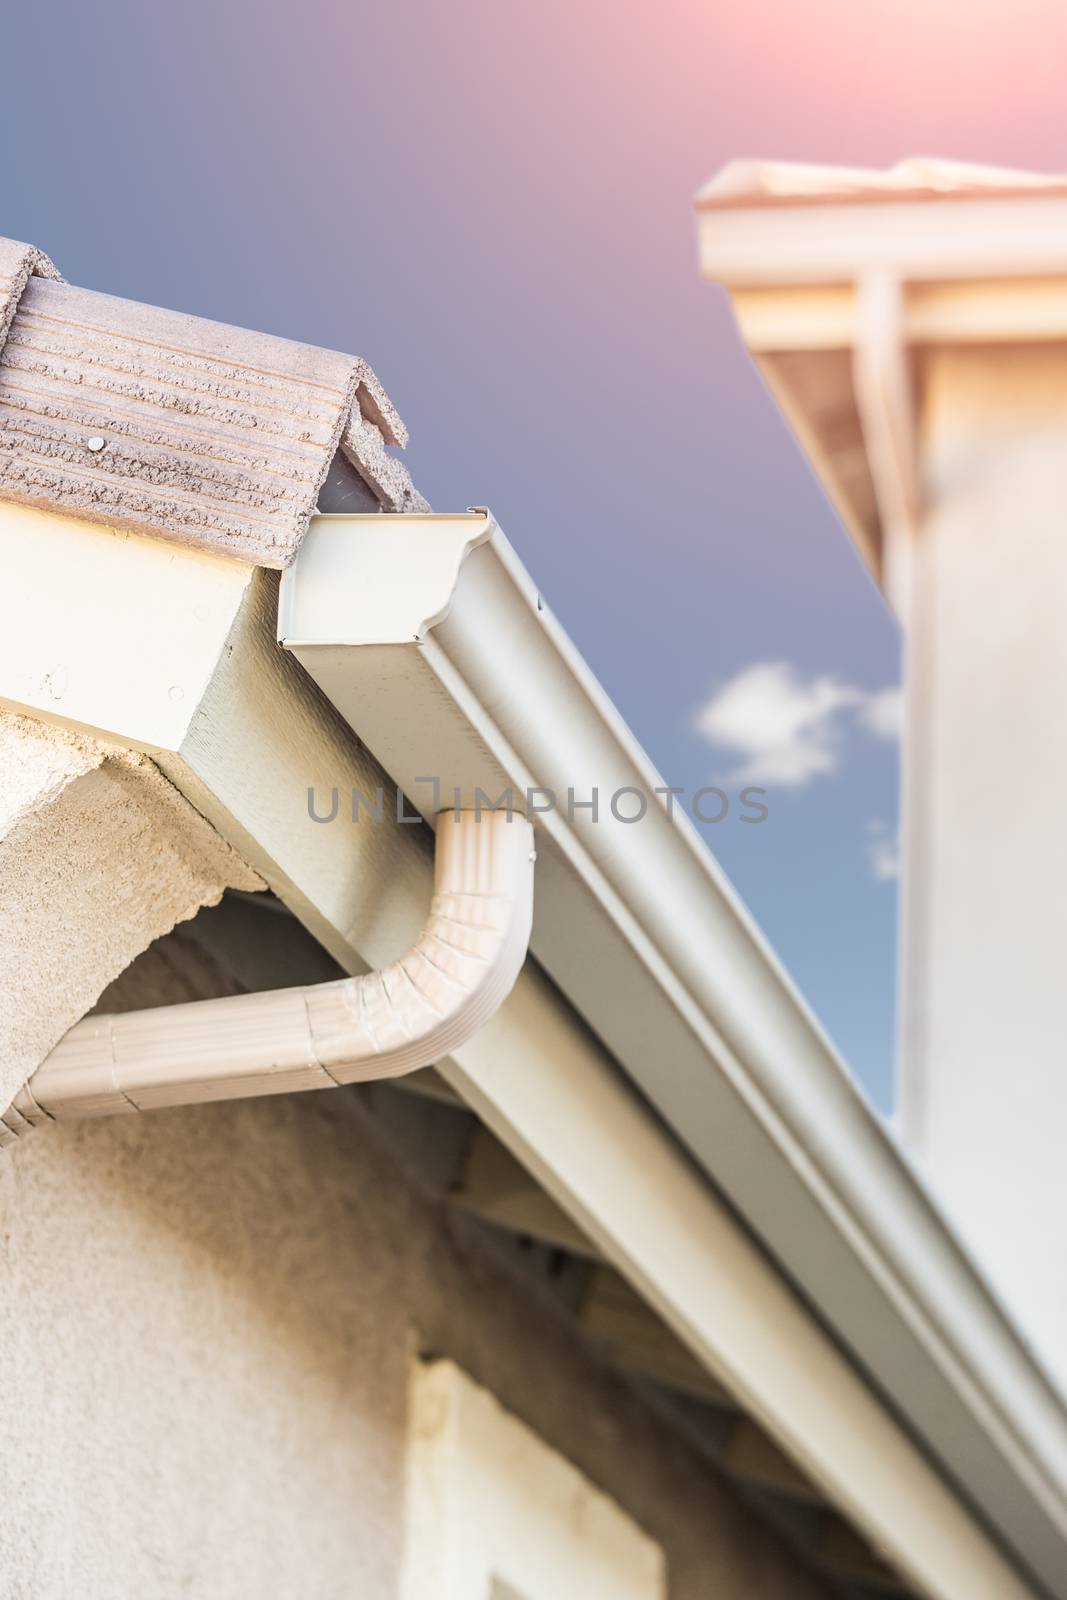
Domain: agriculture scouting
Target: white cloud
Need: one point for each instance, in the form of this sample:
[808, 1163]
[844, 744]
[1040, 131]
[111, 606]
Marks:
[883, 851]
[786, 729]
[883, 713]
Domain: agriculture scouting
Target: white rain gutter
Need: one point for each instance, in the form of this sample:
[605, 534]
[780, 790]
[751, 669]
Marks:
[432, 1000]
[174, 653]
[430, 638]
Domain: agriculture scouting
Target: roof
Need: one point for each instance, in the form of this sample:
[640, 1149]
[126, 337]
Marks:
[18, 262]
[769, 224]
[751, 183]
[176, 426]
[824, 264]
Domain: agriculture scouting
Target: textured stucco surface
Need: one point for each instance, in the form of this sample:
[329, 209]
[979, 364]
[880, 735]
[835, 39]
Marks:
[982, 1090]
[99, 855]
[207, 1319]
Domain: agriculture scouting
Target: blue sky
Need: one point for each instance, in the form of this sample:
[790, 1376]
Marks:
[493, 204]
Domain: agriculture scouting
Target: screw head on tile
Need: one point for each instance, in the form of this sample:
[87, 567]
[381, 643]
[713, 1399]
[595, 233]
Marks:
[96, 444]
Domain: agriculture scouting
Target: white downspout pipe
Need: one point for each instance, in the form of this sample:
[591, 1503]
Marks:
[409, 1015]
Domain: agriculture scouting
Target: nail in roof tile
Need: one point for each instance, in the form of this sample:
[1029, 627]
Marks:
[170, 424]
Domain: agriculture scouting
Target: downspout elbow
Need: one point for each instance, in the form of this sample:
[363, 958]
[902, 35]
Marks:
[410, 1014]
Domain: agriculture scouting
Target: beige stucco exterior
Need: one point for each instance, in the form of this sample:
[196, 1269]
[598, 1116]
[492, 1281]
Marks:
[208, 1318]
[985, 867]
[99, 855]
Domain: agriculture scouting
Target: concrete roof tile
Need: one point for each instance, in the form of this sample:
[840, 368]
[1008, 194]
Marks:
[170, 424]
[754, 183]
[18, 263]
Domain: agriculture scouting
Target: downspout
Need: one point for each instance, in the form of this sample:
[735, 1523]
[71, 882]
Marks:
[410, 1014]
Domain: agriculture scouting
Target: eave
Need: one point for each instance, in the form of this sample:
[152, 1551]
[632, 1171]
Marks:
[465, 675]
[252, 734]
[970, 257]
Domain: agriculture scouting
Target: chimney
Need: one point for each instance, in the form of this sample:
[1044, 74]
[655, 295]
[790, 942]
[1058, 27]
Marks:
[913, 326]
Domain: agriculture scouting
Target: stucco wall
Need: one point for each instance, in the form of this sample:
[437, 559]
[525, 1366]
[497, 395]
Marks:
[99, 855]
[985, 870]
[207, 1318]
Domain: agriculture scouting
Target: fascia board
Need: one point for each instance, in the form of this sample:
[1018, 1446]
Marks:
[836, 242]
[641, 931]
[115, 633]
[814, 317]
[101, 625]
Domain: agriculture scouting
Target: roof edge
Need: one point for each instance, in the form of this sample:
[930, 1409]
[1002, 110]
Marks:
[745, 184]
[206, 435]
[18, 264]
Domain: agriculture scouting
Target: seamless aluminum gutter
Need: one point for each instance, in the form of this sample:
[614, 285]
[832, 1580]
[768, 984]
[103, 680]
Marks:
[175, 653]
[431, 640]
